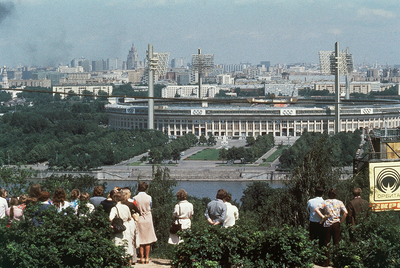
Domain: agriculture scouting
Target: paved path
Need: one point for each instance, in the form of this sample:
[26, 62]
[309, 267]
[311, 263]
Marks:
[162, 263]
[155, 263]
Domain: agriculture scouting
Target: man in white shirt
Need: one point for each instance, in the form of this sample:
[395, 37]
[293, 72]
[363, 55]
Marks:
[316, 229]
[232, 212]
[3, 203]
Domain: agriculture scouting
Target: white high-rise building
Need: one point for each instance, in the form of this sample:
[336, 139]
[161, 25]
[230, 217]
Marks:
[132, 61]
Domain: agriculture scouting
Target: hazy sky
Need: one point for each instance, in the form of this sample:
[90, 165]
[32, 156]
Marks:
[47, 32]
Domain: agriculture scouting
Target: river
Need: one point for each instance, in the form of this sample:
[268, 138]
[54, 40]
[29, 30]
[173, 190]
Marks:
[202, 188]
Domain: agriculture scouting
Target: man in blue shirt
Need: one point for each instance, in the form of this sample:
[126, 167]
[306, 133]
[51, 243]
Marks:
[316, 229]
[216, 209]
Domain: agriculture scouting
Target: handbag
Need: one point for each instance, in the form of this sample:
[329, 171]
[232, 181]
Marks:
[175, 227]
[135, 216]
[117, 224]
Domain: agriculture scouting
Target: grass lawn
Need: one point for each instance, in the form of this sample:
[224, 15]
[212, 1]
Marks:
[206, 154]
[273, 157]
[135, 164]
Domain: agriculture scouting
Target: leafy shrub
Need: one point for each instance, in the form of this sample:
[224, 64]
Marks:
[377, 243]
[63, 240]
[244, 247]
[68, 182]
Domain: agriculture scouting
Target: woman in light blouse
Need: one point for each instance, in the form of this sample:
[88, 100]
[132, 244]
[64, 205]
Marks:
[182, 214]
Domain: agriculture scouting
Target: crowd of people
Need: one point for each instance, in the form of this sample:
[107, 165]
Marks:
[135, 212]
[326, 216]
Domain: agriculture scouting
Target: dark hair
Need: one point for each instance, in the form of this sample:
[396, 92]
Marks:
[13, 202]
[59, 197]
[142, 186]
[22, 199]
[3, 192]
[115, 190]
[228, 198]
[319, 191]
[118, 196]
[75, 193]
[333, 193]
[98, 191]
[44, 196]
[34, 190]
[221, 194]
[181, 194]
[357, 191]
[84, 196]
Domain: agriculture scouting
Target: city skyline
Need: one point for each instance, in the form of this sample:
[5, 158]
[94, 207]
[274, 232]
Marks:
[50, 32]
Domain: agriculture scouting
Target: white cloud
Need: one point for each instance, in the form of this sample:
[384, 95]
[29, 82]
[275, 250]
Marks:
[335, 31]
[368, 13]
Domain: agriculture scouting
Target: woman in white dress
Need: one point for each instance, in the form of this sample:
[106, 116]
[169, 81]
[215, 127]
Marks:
[146, 234]
[182, 214]
[123, 211]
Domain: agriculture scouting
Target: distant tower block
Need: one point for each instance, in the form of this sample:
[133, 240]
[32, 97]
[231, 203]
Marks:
[202, 63]
[4, 83]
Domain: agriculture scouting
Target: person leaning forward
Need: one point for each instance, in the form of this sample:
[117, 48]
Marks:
[216, 209]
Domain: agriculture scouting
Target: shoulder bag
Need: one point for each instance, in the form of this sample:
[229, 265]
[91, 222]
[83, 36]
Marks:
[117, 224]
[175, 225]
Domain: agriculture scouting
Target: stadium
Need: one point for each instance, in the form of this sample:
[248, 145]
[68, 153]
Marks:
[241, 118]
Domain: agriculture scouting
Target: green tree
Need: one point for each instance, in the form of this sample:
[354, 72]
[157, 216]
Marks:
[202, 139]
[223, 153]
[15, 179]
[211, 140]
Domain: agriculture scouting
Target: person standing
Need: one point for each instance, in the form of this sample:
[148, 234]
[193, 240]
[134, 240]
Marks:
[356, 208]
[216, 209]
[316, 229]
[182, 214]
[232, 212]
[97, 196]
[108, 203]
[333, 208]
[146, 233]
[13, 212]
[132, 223]
[3, 203]
[122, 211]
[60, 199]
[74, 196]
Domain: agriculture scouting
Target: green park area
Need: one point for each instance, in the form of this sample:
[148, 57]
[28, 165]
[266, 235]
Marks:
[206, 154]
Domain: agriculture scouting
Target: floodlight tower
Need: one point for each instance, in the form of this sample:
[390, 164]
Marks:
[349, 69]
[156, 65]
[202, 63]
[336, 62]
[337, 89]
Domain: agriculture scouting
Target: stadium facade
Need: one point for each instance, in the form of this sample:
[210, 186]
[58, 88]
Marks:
[241, 120]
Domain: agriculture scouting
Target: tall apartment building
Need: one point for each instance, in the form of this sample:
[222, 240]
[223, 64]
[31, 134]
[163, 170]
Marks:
[178, 63]
[132, 61]
[81, 62]
[98, 65]
[355, 87]
[112, 64]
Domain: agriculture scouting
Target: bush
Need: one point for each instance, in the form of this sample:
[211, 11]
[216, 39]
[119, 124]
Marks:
[377, 243]
[63, 240]
[244, 247]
